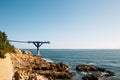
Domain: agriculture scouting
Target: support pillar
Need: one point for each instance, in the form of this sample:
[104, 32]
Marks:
[37, 44]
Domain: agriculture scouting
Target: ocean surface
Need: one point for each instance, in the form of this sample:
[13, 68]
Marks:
[106, 58]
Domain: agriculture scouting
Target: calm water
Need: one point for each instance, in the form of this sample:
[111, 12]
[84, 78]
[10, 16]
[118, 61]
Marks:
[109, 59]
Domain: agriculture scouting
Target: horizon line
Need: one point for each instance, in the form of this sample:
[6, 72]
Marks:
[73, 48]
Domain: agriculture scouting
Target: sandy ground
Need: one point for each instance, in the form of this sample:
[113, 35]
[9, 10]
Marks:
[6, 70]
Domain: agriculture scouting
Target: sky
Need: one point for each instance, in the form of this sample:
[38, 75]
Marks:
[67, 24]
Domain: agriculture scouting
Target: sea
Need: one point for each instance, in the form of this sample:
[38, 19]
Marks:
[105, 58]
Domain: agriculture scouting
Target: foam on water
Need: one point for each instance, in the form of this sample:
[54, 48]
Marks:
[89, 63]
[48, 60]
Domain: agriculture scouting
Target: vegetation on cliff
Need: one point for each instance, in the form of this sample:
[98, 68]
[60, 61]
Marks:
[5, 46]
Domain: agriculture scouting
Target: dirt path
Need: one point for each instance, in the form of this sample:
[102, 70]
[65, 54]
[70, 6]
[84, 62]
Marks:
[6, 70]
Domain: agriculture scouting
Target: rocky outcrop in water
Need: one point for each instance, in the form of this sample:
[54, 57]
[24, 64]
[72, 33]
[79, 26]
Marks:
[91, 77]
[94, 72]
[86, 68]
[53, 71]
[29, 67]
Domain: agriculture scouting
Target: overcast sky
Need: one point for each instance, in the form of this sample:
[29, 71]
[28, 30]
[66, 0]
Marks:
[67, 24]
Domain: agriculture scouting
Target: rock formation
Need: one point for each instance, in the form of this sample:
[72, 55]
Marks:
[86, 68]
[91, 77]
[94, 70]
[53, 71]
[29, 67]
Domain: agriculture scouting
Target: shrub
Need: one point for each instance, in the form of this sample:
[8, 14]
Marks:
[2, 55]
[5, 46]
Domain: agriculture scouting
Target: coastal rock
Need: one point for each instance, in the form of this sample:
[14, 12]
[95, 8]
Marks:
[27, 55]
[91, 77]
[27, 52]
[108, 74]
[87, 68]
[55, 75]
[94, 70]
[16, 76]
[29, 67]
[53, 71]
[22, 75]
[17, 51]
[51, 66]
[61, 66]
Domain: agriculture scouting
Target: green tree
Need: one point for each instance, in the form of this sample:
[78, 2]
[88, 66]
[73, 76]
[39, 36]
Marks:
[5, 46]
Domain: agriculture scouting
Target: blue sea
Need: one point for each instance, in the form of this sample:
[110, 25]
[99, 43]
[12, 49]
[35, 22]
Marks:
[106, 58]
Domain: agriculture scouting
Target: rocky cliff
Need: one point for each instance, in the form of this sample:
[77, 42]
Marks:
[29, 67]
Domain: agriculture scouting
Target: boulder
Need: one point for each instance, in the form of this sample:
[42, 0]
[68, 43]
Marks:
[55, 74]
[61, 66]
[22, 75]
[53, 71]
[87, 68]
[16, 76]
[51, 66]
[108, 74]
[91, 77]
[27, 52]
[17, 51]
